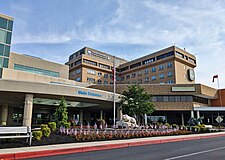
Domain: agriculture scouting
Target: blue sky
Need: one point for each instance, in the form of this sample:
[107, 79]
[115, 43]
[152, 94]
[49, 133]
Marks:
[53, 29]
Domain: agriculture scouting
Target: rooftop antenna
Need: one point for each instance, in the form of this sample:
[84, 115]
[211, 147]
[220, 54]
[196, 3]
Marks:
[185, 49]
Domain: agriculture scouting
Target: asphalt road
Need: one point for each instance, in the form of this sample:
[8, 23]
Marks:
[210, 149]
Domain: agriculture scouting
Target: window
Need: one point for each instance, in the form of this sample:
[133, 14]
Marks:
[140, 81]
[128, 76]
[161, 67]
[177, 98]
[191, 60]
[122, 78]
[165, 98]
[165, 55]
[99, 74]
[146, 79]
[161, 75]
[71, 65]
[134, 82]
[146, 71]
[78, 79]
[90, 79]
[111, 76]
[106, 75]
[169, 65]
[3, 36]
[135, 65]
[5, 62]
[77, 62]
[133, 75]
[3, 23]
[170, 74]
[153, 69]
[99, 81]
[1, 62]
[139, 73]
[179, 54]
[90, 71]
[90, 62]
[148, 61]
[105, 82]
[104, 66]
[1, 49]
[8, 37]
[153, 78]
[78, 71]
[36, 70]
[170, 81]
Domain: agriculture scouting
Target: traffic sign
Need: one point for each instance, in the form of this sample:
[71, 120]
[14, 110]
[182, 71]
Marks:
[219, 119]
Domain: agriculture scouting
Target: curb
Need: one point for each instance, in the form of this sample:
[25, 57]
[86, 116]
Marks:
[36, 154]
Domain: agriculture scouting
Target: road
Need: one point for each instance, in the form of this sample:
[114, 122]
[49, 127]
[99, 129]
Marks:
[210, 149]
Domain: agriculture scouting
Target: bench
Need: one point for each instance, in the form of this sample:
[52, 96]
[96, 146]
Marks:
[16, 132]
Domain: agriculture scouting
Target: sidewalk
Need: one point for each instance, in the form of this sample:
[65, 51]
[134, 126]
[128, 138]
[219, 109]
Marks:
[49, 150]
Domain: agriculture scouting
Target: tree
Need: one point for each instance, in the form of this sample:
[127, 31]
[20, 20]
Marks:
[61, 113]
[135, 102]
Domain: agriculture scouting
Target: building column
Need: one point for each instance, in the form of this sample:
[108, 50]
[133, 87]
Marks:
[182, 118]
[146, 119]
[198, 114]
[10, 116]
[192, 114]
[101, 114]
[28, 108]
[4, 115]
[119, 114]
[81, 115]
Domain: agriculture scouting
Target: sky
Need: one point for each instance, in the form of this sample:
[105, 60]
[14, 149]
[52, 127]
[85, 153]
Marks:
[54, 29]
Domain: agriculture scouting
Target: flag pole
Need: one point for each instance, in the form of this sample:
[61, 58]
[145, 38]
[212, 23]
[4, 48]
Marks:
[114, 92]
[219, 91]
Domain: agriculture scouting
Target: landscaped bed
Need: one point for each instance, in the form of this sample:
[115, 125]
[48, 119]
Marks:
[75, 135]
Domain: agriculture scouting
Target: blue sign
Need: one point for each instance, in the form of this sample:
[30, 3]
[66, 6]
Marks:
[89, 94]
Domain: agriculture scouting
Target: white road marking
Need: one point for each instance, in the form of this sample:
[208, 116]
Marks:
[195, 153]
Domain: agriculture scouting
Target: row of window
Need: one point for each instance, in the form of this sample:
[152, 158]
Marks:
[146, 80]
[179, 99]
[36, 70]
[185, 57]
[93, 72]
[148, 61]
[76, 54]
[161, 75]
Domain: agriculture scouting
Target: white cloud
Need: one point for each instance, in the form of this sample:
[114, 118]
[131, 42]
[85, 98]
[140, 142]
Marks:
[196, 25]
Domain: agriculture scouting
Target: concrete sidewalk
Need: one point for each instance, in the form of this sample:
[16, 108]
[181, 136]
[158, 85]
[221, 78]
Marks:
[49, 150]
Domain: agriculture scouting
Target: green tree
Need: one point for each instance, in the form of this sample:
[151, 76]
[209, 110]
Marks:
[61, 114]
[135, 102]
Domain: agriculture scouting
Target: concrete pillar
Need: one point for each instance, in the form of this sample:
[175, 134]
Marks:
[146, 119]
[182, 118]
[119, 114]
[10, 116]
[28, 108]
[101, 114]
[198, 114]
[192, 114]
[4, 115]
[81, 115]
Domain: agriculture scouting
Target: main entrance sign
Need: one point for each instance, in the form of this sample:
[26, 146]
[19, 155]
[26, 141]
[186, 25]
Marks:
[92, 94]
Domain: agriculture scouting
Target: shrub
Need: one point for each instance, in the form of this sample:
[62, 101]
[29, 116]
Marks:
[46, 131]
[43, 126]
[52, 126]
[195, 129]
[37, 135]
[67, 125]
[174, 125]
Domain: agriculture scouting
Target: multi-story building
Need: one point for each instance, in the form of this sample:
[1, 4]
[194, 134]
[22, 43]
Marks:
[6, 25]
[170, 65]
[31, 87]
[92, 66]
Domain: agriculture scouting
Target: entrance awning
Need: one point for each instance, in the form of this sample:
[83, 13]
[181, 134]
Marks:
[209, 108]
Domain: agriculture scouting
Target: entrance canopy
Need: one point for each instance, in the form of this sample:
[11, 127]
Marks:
[209, 108]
